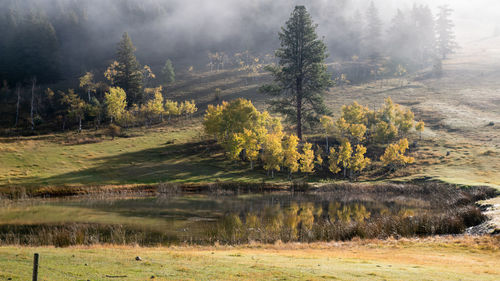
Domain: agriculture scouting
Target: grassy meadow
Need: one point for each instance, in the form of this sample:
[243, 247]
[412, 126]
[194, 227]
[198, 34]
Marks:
[442, 258]
[171, 153]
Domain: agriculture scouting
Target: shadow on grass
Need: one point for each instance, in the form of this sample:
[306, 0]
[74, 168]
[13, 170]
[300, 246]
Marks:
[187, 162]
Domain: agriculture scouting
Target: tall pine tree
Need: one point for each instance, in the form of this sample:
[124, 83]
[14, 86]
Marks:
[446, 37]
[33, 51]
[355, 34]
[373, 40]
[425, 34]
[129, 74]
[399, 36]
[300, 78]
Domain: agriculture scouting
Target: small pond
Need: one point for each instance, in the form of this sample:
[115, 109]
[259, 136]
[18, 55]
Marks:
[337, 213]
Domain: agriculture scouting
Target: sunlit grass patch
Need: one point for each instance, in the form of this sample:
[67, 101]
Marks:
[404, 259]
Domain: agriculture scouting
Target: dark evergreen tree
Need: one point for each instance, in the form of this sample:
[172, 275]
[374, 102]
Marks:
[129, 74]
[373, 36]
[33, 51]
[411, 36]
[355, 34]
[167, 73]
[29, 56]
[78, 48]
[445, 34]
[300, 78]
[425, 34]
[5, 26]
[399, 36]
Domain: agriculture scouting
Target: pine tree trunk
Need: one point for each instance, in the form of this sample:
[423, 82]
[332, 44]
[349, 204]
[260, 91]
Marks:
[32, 102]
[18, 90]
[299, 108]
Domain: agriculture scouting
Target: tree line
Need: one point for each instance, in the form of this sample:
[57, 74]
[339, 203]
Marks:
[300, 74]
[58, 40]
[132, 95]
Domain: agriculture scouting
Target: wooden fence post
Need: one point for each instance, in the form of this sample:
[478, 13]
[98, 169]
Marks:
[35, 267]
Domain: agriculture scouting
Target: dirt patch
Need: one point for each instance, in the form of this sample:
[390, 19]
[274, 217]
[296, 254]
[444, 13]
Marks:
[491, 208]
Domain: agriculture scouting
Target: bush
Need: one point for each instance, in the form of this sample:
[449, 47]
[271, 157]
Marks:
[114, 130]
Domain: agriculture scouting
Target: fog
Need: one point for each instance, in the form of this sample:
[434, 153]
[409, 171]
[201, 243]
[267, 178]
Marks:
[473, 19]
[185, 30]
[57, 41]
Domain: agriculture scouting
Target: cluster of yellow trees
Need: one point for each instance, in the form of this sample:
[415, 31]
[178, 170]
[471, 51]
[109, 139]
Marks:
[358, 126]
[154, 109]
[247, 134]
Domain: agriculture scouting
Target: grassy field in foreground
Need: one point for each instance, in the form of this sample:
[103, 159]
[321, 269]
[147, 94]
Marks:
[465, 258]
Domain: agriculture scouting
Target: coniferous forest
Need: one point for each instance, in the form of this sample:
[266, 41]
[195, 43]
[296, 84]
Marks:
[53, 43]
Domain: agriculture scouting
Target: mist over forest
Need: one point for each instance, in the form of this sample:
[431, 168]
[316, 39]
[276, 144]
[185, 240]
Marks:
[86, 32]
[52, 43]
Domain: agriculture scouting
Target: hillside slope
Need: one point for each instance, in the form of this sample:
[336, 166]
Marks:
[461, 143]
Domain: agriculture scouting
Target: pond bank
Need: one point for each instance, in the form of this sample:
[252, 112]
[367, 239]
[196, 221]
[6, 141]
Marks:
[20, 192]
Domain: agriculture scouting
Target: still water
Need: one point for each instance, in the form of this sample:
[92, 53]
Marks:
[234, 218]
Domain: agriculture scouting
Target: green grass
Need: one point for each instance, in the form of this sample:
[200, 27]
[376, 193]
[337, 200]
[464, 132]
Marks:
[431, 259]
[149, 156]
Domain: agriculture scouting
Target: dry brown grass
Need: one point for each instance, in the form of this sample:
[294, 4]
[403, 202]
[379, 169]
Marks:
[438, 258]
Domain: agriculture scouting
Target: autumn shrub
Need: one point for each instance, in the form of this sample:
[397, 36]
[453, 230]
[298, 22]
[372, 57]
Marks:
[114, 130]
[394, 155]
